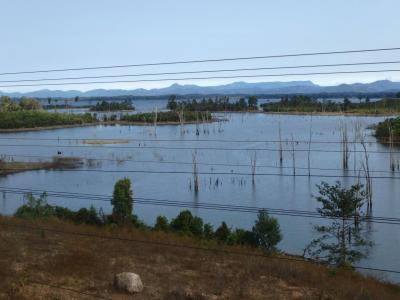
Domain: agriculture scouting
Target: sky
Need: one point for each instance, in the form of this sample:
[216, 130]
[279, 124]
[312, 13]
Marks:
[52, 34]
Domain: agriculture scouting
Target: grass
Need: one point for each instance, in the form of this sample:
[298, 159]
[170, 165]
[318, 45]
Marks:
[105, 142]
[11, 167]
[38, 118]
[89, 264]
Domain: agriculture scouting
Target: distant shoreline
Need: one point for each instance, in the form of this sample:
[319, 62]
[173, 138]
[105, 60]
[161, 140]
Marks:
[108, 123]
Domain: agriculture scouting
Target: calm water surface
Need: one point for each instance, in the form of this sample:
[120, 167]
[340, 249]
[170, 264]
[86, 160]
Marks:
[270, 191]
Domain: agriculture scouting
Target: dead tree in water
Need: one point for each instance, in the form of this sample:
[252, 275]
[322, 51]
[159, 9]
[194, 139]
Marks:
[357, 137]
[293, 157]
[253, 166]
[367, 174]
[181, 121]
[345, 146]
[391, 147]
[280, 144]
[309, 149]
[195, 172]
[155, 116]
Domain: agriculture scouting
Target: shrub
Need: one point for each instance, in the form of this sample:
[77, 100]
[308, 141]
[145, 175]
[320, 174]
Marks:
[266, 231]
[187, 224]
[161, 224]
[222, 233]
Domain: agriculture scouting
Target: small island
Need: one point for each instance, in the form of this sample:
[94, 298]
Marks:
[302, 104]
[168, 117]
[8, 167]
[217, 104]
[112, 106]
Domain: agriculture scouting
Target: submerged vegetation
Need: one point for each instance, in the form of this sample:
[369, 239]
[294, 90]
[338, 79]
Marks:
[112, 106]
[10, 167]
[168, 116]
[308, 104]
[217, 104]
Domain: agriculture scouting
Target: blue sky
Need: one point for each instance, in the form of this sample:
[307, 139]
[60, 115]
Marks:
[45, 34]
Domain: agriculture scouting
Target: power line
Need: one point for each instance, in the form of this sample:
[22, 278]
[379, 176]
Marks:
[204, 71]
[209, 173]
[185, 140]
[203, 78]
[202, 205]
[191, 148]
[202, 61]
[198, 163]
[182, 246]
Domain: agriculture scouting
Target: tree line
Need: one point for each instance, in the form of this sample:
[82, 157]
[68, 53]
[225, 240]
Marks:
[341, 241]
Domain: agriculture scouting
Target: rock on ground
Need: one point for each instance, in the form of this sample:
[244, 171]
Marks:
[129, 282]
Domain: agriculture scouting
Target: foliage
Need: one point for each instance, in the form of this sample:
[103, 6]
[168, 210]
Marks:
[217, 104]
[186, 223]
[35, 118]
[222, 233]
[266, 231]
[25, 103]
[304, 103]
[161, 223]
[167, 116]
[112, 106]
[383, 129]
[341, 242]
[38, 208]
[122, 201]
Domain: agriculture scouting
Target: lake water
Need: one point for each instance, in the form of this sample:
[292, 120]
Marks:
[268, 191]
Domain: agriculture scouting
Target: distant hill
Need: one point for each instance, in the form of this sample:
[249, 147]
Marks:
[277, 87]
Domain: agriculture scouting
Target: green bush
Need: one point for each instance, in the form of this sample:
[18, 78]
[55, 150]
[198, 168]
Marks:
[187, 224]
[266, 231]
[161, 224]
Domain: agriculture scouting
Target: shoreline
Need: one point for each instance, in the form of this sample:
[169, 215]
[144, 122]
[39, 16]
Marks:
[108, 123]
[360, 114]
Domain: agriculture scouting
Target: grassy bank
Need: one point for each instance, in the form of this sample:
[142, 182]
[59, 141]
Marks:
[37, 118]
[11, 167]
[32, 259]
[307, 105]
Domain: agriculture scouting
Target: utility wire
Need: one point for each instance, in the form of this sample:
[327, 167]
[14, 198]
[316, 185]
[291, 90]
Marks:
[189, 148]
[184, 140]
[202, 61]
[202, 78]
[208, 173]
[202, 205]
[182, 246]
[122, 160]
[204, 71]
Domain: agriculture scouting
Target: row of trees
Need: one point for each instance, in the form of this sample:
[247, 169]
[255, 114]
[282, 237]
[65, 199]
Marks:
[341, 241]
[112, 106]
[8, 105]
[216, 104]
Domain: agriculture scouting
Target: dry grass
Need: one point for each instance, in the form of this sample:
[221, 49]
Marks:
[104, 142]
[88, 265]
[11, 167]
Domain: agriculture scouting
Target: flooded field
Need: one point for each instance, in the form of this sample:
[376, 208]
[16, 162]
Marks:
[159, 162]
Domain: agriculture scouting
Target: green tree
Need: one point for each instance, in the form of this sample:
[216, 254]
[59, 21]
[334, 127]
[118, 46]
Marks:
[122, 201]
[172, 104]
[266, 230]
[208, 231]
[341, 242]
[161, 223]
[186, 223]
[252, 102]
[222, 233]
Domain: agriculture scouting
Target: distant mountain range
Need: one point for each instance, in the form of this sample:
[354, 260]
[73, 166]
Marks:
[236, 88]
